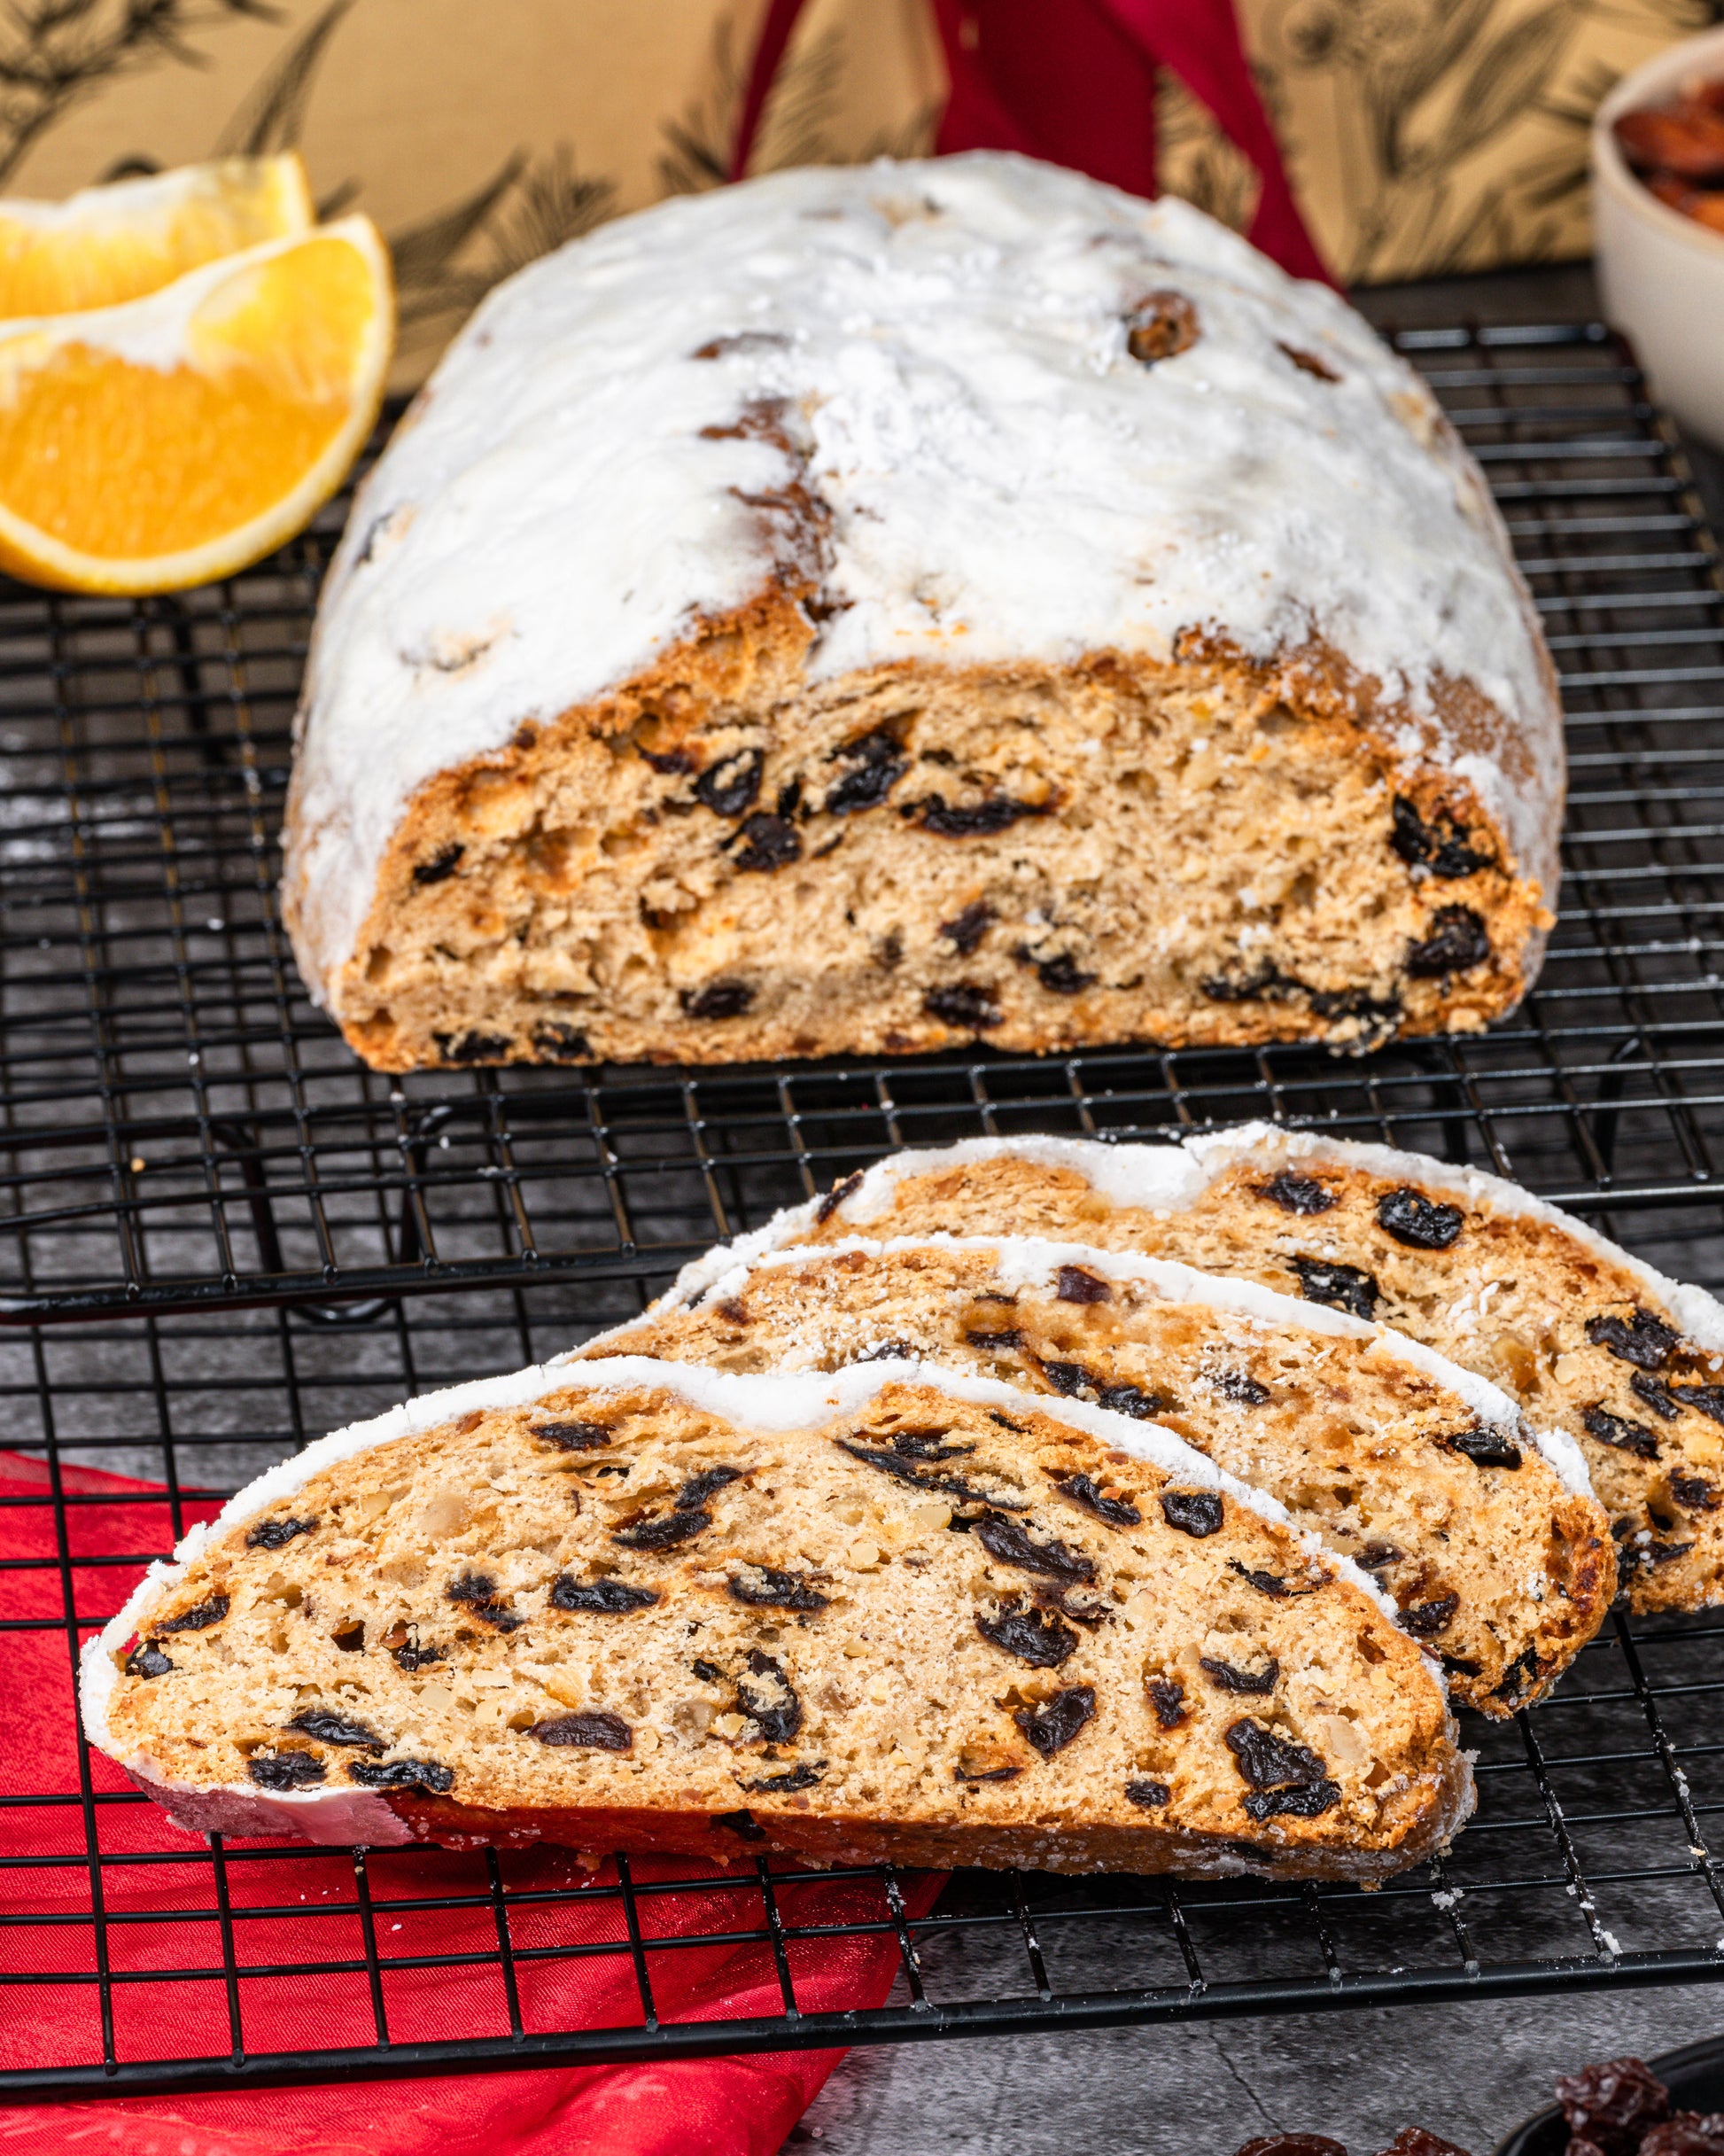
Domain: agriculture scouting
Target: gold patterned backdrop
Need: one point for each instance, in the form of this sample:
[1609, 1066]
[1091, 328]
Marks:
[1422, 136]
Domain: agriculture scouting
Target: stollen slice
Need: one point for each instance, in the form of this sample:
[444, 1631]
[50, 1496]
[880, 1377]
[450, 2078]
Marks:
[1585, 1337]
[890, 1613]
[1485, 1533]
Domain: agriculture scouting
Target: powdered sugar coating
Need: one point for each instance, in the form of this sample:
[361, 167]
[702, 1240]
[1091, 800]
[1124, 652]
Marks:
[776, 1401]
[1004, 480]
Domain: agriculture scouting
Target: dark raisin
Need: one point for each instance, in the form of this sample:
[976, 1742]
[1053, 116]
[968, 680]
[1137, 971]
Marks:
[890, 1351]
[718, 1000]
[1444, 851]
[1272, 1583]
[1617, 1431]
[196, 1619]
[1236, 1385]
[1229, 1678]
[1304, 1803]
[1708, 1398]
[275, 1534]
[147, 1661]
[590, 1732]
[1082, 1490]
[741, 1824]
[468, 1587]
[1383, 1011]
[671, 764]
[1269, 1762]
[1298, 1194]
[1076, 1382]
[1426, 1619]
[1010, 1542]
[603, 1597]
[1517, 1676]
[980, 819]
[667, 1531]
[995, 1343]
[1060, 976]
[328, 1728]
[767, 842]
[1052, 1726]
[1419, 1222]
[1167, 1699]
[709, 1672]
[1656, 1397]
[1693, 1493]
[1035, 1636]
[905, 1470]
[710, 1481]
[1378, 1553]
[789, 799]
[418, 1658]
[1651, 1555]
[929, 1444]
[1457, 942]
[440, 865]
[558, 1043]
[1686, 2132]
[963, 1004]
[1345, 1288]
[1077, 1284]
[732, 785]
[1640, 1339]
[765, 1589]
[571, 1436]
[836, 1196]
[1286, 2145]
[1614, 2104]
[1193, 1512]
[961, 1773]
[286, 1770]
[1147, 1796]
[1484, 1448]
[966, 930]
[1460, 1665]
[430, 1775]
[874, 777]
[472, 1048]
[768, 1698]
[1160, 327]
[804, 1775]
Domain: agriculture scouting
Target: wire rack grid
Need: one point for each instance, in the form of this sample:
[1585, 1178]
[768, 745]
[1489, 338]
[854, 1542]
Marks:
[216, 1231]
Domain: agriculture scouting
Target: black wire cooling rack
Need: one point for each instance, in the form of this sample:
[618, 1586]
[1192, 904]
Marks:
[217, 1233]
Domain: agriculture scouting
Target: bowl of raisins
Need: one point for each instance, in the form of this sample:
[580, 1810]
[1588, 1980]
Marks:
[1671, 2105]
[1658, 213]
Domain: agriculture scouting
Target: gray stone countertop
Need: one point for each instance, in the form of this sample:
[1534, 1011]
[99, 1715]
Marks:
[1469, 2073]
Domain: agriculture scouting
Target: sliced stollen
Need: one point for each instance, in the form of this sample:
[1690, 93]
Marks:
[1485, 1534]
[1585, 1336]
[893, 1612]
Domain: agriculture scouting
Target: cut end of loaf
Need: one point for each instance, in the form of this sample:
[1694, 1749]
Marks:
[726, 863]
[922, 1628]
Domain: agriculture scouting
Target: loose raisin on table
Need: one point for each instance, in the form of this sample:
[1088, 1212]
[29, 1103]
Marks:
[717, 999]
[427, 1774]
[276, 1534]
[1035, 1636]
[1458, 941]
[733, 784]
[1643, 1339]
[1237, 1385]
[330, 1728]
[1012, 1543]
[1147, 1796]
[1082, 1490]
[1228, 1677]
[571, 1436]
[1078, 1284]
[768, 843]
[1421, 1223]
[1348, 1288]
[1426, 1619]
[1193, 1512]
[286, 1770]
[1052, 1726]
[589, 1732]
[196, 1619]
[766, 1696]
[1298, 1194]
[1614, 2104]
[604, 1597]
[964, 1004]
[1168, 1698]
[766, 1589]
[439, 867]
[1484, 1448]
[1616, 1430]
[1272, 1583]
[1269, 1762]
[147, 1661]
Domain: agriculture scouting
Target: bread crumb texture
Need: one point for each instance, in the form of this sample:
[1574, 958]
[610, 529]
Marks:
[926, 1631]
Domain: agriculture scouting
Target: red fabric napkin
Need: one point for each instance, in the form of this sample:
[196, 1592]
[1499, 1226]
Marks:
[160, 1914]
[1074, 82]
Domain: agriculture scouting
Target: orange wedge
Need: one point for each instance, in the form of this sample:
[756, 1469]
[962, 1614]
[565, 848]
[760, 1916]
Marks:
[106, 245]
[180, 437]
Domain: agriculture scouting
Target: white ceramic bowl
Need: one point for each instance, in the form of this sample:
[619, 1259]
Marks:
[1661, 276]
